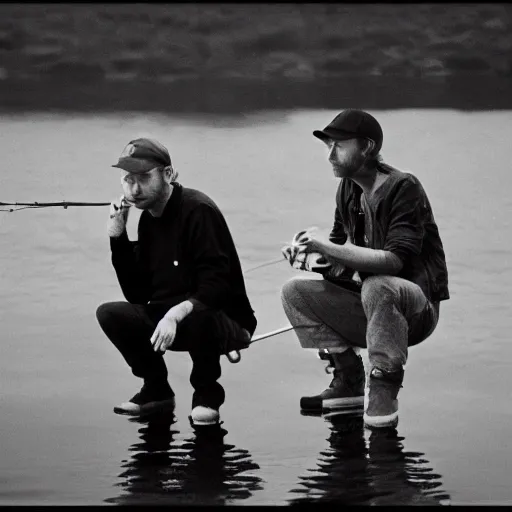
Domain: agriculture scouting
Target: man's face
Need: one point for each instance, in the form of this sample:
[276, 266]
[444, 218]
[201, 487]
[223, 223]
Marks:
[345, 157]
[143, 190]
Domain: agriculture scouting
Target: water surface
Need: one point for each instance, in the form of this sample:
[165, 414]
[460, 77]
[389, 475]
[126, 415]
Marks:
[60, 376]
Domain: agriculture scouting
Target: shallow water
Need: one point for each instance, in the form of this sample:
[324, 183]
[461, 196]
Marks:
[60, 377]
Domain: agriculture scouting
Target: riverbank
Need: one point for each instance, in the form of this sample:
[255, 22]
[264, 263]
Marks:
[233, 57]
[239, 96]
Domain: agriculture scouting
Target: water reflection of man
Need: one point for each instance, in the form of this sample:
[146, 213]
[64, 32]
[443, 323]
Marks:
[202, 470]
[368, 471]
[384, 277]
[182, 280]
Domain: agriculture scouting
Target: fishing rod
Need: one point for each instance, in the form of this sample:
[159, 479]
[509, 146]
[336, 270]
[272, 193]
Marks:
[233, 356]
[36, 204]
[66, 204]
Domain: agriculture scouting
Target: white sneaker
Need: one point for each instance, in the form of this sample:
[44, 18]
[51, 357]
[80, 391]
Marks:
[204, 415]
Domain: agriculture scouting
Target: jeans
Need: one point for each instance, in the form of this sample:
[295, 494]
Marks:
[203, 334]
[386, 317]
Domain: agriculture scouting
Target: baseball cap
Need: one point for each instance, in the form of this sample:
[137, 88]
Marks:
[142, 155]
[352, 123]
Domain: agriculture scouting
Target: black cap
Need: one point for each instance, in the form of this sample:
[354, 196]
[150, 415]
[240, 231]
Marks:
[142, 155]
[352, 123]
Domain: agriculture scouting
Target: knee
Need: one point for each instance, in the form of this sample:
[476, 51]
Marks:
[378, 288]
[198, 330]
[109, 312]
[293, 289]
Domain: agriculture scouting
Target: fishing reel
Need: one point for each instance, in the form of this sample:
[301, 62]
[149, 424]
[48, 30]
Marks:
[311, 261]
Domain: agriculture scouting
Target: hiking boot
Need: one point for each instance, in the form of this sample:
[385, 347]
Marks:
[148, 400]
[346, 390]
[382, 410]
[202, 415]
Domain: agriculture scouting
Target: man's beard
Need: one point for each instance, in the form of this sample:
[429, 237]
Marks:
[151, 200]
[159, 198]
[350, 166]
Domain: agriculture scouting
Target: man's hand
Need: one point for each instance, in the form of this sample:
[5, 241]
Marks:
[290, 253]
[314, 240]
[118, 217]
[164, 334]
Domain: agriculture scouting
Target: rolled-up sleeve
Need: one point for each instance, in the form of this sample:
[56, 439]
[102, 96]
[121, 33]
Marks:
[406, 231]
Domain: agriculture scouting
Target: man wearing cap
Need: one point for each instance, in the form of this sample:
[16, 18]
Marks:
[183, 284]
[384, 279]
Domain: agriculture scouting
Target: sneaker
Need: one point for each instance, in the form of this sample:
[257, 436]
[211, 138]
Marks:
[202, 415]
[346, 390]
[147, 401]
[382, 410]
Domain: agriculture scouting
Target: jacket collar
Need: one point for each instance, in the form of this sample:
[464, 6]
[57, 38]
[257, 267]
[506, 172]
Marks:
[174, 203]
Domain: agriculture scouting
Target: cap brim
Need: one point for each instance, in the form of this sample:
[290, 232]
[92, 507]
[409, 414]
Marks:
[327, 134]
[136, 165]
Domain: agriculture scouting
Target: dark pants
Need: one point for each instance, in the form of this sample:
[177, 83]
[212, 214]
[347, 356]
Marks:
[203, 334]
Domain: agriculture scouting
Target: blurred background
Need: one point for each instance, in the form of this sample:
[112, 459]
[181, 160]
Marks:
[234, 92]
[227, 57]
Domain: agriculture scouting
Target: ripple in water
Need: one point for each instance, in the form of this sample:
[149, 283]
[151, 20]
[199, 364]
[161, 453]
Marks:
[368, 467]
[200, 470]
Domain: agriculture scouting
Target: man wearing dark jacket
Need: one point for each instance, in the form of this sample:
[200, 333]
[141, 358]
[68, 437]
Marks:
[384, 274]
[183, 282]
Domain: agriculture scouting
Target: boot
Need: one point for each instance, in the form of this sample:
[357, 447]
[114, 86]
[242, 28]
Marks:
[382, 410]
[346, 390]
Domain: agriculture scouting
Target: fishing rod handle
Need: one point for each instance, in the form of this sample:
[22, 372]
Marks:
[234, 356]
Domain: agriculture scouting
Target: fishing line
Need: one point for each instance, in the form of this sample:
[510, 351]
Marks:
[233, 356]
[267, 263]
[65, 204]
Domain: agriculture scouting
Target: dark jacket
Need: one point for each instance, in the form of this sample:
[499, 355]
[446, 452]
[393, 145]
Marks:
[187, 253]
[403, 224]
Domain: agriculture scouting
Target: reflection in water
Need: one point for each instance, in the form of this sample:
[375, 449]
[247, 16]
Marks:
[369, 467]
[201, 470]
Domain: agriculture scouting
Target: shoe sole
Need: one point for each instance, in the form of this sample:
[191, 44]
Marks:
[196, 423]
[310, 412]
[343, 403]
[205, 423]
[390, 420]
[147, 409]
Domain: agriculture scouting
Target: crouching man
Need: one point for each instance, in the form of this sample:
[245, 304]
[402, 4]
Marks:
[385, 278]
[182, 280]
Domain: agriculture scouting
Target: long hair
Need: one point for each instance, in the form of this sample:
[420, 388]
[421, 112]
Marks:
[352, 213]
[372, 160]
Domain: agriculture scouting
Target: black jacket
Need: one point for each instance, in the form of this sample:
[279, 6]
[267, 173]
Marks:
[187, 253]
[403, 224]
